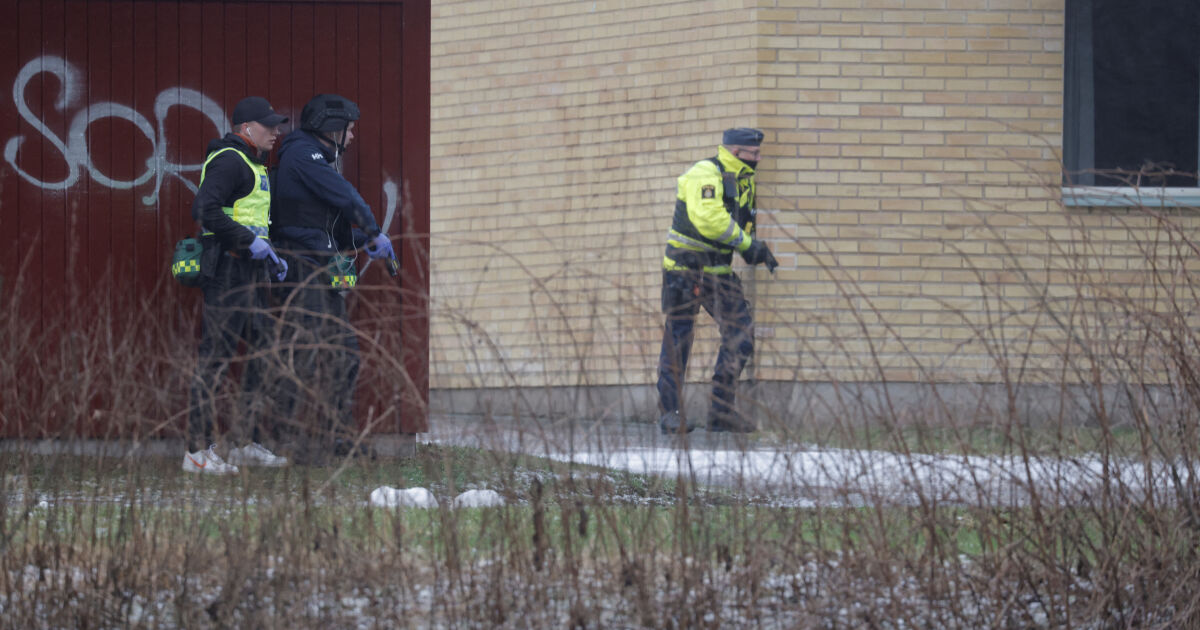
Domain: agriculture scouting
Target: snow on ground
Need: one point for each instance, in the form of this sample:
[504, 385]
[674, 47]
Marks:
[805, 475]
[884, 475]
[386, 496]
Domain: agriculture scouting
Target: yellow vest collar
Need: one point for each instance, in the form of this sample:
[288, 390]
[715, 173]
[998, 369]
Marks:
[731, 163]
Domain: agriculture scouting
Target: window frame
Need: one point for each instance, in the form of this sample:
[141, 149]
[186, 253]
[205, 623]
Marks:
[1078, 117]
[1129, 196]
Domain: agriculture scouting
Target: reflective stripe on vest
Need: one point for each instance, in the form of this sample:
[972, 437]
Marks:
[687, 248]
[253, 210]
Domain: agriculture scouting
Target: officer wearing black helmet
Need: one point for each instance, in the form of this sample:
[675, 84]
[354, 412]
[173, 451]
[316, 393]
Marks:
[714, 217]
[319, 220]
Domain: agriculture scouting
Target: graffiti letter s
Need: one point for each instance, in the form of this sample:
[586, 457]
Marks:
[69, 77]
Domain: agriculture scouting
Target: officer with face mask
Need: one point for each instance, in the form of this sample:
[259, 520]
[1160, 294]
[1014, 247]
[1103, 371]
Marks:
[714, 217]
[319, 221]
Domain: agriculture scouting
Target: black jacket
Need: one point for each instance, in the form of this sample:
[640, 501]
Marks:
[313, 208]
[226, 180]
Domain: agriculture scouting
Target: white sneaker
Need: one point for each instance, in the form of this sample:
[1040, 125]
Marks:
[255, 454]
[207, 462]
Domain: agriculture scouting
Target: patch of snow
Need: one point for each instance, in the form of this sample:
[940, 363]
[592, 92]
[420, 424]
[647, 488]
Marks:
[388, 497]
[891, 477]
[478, 498]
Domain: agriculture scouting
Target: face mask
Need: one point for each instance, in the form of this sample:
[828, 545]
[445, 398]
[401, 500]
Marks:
[750, 163]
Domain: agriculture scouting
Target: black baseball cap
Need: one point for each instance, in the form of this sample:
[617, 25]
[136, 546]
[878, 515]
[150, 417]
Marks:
[256, 109]
[742, 136]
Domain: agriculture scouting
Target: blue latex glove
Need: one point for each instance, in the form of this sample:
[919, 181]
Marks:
[260, 249]
[380, 247]
[277, 267]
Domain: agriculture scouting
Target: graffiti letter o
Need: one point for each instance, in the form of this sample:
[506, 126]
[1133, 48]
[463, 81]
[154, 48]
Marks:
[78, 146]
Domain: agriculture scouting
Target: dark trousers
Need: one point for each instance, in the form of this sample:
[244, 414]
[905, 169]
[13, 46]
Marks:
[320, 356]
[683, 293]
[235, 302]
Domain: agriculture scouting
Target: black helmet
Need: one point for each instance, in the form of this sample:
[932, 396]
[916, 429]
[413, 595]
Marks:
[328, 112]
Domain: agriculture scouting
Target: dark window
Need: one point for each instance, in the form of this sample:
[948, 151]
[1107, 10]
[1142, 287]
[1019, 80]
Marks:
[1132, 93]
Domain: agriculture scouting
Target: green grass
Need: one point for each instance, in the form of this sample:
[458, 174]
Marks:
[107, 502]
[570, 541]
[589, 532]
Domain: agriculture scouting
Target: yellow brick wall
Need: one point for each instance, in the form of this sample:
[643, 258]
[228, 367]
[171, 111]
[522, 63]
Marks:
[908, 186]
[558, 129]
[902, 128]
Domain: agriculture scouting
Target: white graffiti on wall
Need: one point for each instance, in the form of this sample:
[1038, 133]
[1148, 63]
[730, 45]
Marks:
[75, 150]
[77, 154]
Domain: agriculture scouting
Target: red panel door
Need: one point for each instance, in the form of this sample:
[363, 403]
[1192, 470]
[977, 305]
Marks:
[112, 105]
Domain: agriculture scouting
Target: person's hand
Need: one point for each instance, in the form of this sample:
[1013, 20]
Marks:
[380, 247]
[260, 249]
[770, 261]
[277, 267]
[759, 253]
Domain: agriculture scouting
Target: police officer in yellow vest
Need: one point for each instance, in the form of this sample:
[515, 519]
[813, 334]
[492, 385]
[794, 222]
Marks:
[232, 207]
[714, 217]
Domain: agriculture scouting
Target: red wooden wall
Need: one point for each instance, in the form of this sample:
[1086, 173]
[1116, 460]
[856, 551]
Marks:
[105, 111]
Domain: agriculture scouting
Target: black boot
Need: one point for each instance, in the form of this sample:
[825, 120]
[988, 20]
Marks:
[347, 448]
[673, 422]
[729, 422]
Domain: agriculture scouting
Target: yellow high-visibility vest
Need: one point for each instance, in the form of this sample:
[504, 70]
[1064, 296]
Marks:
[253, 210]
[711, 223]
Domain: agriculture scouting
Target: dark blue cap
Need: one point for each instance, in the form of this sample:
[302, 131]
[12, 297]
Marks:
[743, 136]
[256, 109]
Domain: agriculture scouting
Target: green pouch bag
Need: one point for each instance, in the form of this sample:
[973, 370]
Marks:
[343, 276]
[185, 264]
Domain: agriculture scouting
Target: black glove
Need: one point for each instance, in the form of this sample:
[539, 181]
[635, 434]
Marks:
[759, 253]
